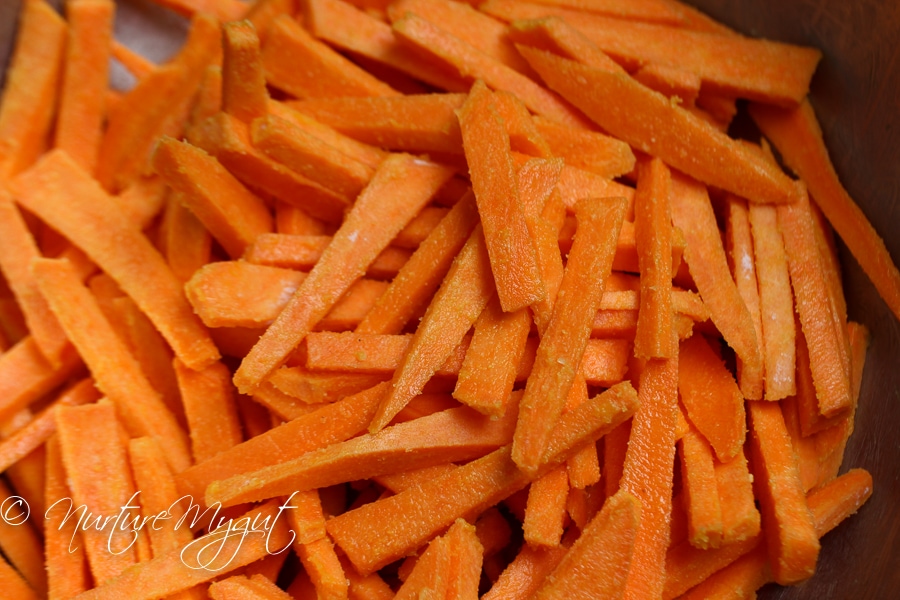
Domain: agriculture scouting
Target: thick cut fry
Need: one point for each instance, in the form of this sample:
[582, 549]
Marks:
[776, 303]
[650, 123]
[79, 124]
[421, 275]
[399, 189]
[798, 137]
[25, 440]
[209, 406]
[231, 213]
[705, 257]
[606, 545]
[713, 401]
[326, 72]
[29, 97]
[91, 441]
[791, 539]
[243, 80]
[653, 239]
[562, 346]
[306, 154]
[94, 224]
[456, 434]
[473, 64]
[25, 375]
[343, 25]
[183, 568]
[331, 423]
[824, 341]
[462, 296]
[648, 471]
[17, 250]
[739, 245]
[117, 373]
[509, 243]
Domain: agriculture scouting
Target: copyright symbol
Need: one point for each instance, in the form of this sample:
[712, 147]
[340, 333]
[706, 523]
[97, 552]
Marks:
[14, 510]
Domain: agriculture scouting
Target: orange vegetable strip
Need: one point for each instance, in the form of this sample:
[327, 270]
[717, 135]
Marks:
[513, 257]
[378, 533]
[209, 405]
[228, 139]
[17, 249]
[545, 231]
[79, 123]
[91, 441]
[293, 220]
[141, 201]
[523, 134]
[179, 569]
[14, 584]
[792, 543]
[615, 445]
[706, 260]
[308, 155]
[137, 64]
[186, 243]
[25, 375]
[421, 275]
[29, 96]
[831, 443]
[67, 573]
[399, 189]
[312, 545]
[240, 587]
[115, 370]
[554, 34]
[397, 482]
[430, 575]
[418, 229]
[92, 223]
[607, 544]
[153, 479]
[474, 64]
[700, 493]
[687, 566]
[738, 66]
[25, 440]
[465, 292]
[456, 434]
[368, 154]
[740, 518]
[575, 184]
[650, 123]
[411, 123]
[810, 292]
[466, 557]
[158, 105]
[225, 10]
[647, 473]
[279, 404]
[804, 447]
[244, 92]
[809, 418]
[739, 246]
[653, 11]
[562, 346]
[231, 213]
[670, 81]
[21, 544]
[352, 29]
[653, 239]
[303, 252]
[326, 72]
[492, 359]
[369, 587]
[713, 401]
[545, 511]
[527, 571]
[471, 26]
[829, 505]
[331, 423]
[776, 302]
[798, 137]
[589, 150]
[317, 387]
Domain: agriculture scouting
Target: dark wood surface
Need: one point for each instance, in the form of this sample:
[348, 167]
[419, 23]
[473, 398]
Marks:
[856, 93]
